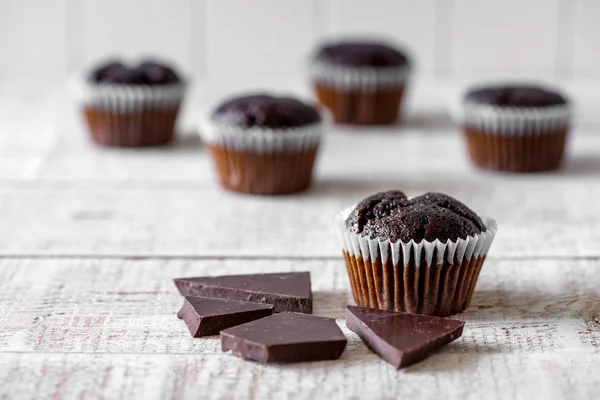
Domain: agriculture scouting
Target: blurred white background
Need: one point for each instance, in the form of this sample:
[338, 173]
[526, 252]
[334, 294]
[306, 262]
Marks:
[223, 39]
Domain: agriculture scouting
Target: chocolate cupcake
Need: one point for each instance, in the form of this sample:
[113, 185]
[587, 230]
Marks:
[131, 106]
[263, 144]
[362, 83]
[420, 255]
[516, 128]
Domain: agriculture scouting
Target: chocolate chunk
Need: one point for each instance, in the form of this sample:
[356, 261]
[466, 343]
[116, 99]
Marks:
[286, 291]
[401, 339]
[286, 337]
[391, 215]
[206, 316]
[361, 54]
[516, 96]
[265, 111]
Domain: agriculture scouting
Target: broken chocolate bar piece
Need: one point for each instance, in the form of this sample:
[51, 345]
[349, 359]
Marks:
[286, 291]
[206, 316]
[401, 339]
[286, 337]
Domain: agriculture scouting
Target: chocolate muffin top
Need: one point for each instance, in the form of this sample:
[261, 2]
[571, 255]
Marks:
[515, 96]
[147, 72]
[391, 215]
[361, 54]
[265, 111]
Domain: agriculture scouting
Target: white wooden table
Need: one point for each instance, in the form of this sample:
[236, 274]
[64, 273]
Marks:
[91, 238]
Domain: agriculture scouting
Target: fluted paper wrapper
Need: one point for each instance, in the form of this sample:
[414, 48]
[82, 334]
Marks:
[431, 278]
[122, 98]
[262, 161]
[516, 153]
[509, 121]
[129, 115]
[358, 77]
[516, 139]
[360, 95]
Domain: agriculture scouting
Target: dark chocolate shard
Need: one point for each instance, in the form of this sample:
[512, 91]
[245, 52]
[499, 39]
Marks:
[401, 339]
[286, 337]
[288, 291]
[206, 316]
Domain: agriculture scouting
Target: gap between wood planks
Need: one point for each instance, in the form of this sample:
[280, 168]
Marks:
[133, 353]
[243, 257]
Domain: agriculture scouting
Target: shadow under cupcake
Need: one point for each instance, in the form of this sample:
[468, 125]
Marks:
[516, 128]
[262, 144]
[130, 106]
[421, 255]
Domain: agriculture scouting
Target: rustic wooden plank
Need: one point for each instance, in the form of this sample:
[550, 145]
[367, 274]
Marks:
[42, 122]
[124, 306]
[419, 151]
[536, 218]
[410, 154]
[530, 331]
[127, 303]
[45, 119]
[94, 328]
[355, 376]
[22, 167]
[26, 133]
[28, 113]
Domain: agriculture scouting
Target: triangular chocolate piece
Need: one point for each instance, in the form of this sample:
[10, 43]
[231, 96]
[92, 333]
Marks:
[286, 337]
[401, 339]
[205, 316]
[288, 291]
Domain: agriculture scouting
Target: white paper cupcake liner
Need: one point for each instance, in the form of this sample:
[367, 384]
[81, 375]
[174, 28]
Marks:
[359, 77]
[463, 249]
[516, 120]
[260, 140]
[404, 277]
[121, 98]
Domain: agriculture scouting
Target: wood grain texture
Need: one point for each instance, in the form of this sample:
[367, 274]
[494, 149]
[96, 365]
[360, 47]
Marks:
[535, 219]
[122, 306]
[78, 320]
[193, 376]
[409, 154]
[28, 116]
[110, 331]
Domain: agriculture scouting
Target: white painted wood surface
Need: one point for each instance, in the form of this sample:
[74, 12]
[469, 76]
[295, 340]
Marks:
[91, 238]
[75, 328]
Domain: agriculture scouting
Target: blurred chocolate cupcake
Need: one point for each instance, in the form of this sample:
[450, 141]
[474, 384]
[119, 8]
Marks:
[421, 255]
[131, 106]
[516, 128]
[263, 144]
[361, 83]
